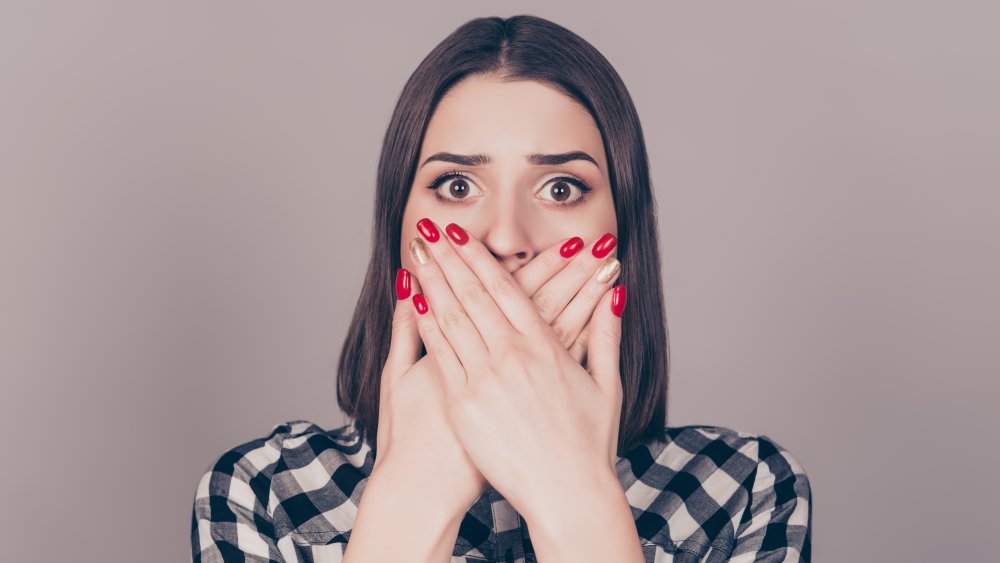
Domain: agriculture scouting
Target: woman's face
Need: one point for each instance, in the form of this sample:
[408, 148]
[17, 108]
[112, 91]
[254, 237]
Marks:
[518, 202]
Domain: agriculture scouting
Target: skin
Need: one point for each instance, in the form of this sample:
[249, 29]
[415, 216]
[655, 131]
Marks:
[502, 355]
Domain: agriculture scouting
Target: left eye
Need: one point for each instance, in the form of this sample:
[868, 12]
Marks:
[560, 190]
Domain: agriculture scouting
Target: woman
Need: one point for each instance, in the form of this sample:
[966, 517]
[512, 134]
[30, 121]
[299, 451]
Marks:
[493, 381]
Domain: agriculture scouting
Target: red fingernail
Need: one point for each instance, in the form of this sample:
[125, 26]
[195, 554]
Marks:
[604, 245]
[571, 247]
[427, 228]
[402, 283]
[617, 300]
[420, 303]
[457, 233]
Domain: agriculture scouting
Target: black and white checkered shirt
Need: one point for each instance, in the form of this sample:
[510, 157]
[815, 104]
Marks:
[706, 494]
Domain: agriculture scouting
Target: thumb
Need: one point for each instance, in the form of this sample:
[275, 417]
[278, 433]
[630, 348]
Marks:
[405, 345]
[604, 342]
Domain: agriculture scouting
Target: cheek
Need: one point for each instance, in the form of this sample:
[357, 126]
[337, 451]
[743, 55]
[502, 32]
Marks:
[605, 214]
[590, 222]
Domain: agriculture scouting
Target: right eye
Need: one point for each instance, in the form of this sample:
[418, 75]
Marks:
[456, 185]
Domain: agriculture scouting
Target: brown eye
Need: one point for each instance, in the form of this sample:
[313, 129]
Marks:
[560, 191]
[458, 188]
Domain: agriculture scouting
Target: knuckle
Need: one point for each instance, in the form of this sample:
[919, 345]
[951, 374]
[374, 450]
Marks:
[472, 293]
[401, 321]
[438, 349]
[553, 261]
[452, 317]
[595, 290]
[504, 286]
[545, 304]
[448, 256]
[608, 333]
[562, 333]
[428, 276]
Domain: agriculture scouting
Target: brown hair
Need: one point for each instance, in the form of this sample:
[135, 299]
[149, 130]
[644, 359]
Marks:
[521, 47]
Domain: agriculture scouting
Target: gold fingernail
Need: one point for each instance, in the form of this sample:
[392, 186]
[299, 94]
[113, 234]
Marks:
[419, 251]
[608, 270]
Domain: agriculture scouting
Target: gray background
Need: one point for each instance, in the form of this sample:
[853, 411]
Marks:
[186, 199]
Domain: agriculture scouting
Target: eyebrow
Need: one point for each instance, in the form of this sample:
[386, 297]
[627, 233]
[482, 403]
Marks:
[533, 158]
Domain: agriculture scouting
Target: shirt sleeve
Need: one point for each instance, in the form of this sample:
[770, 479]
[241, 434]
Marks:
[230, 519]
[776, 525]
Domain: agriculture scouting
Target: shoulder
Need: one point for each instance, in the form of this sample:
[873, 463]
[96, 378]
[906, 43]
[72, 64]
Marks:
[702, 485]
[254, 493]
[754, 460]
[260, 453]
[719, 443]
[246, 474]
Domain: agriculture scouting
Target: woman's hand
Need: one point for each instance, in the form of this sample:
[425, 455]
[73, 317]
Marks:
[554, 277]
[537, 424]
[566, 285]
[414, 436]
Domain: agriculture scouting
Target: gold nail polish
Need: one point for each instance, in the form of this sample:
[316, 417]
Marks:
[608, 270]
[419, 251]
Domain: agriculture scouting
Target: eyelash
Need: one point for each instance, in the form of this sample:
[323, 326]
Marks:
[436, 183]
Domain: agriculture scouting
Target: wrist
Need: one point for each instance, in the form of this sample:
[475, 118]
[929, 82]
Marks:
[405, 485]
[575, 497]
[568, 509]
[394, 505]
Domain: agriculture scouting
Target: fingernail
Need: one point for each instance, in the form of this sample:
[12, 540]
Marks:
[402, 283]
[419, 251]
[608, 270]
[571, 247]
[617, 300]
[427, 228]
[604, 245]
[419, 303]
[457, 233]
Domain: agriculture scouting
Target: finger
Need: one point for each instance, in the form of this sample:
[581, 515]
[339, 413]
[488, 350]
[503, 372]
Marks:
[604, 344]
[557, 292]
[509, 298]
[534, 274]
[453, 321]
[579, 311]
[579, 347]
[453, 374]
[405, 344]
[468, 289]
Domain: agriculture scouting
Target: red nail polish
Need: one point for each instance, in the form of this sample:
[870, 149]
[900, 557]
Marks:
[402, 283]
[618, 300]
[604, 245]
[427, 228]
[420, 303]
[457, 233]
[571, 247]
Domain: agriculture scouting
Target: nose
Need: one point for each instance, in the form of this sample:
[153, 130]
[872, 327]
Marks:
[508, 239]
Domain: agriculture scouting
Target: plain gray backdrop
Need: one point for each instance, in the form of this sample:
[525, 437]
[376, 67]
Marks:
[187, 190]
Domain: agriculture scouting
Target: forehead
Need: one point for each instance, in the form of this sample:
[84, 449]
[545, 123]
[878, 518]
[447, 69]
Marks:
[506, 119]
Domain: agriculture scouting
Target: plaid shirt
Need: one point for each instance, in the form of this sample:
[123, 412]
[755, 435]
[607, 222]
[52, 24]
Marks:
[706, 494]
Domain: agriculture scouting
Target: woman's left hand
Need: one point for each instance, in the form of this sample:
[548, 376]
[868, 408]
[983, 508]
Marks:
[538, 425]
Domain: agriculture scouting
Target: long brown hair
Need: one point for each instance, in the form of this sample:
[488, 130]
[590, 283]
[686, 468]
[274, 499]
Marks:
[521, 47]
